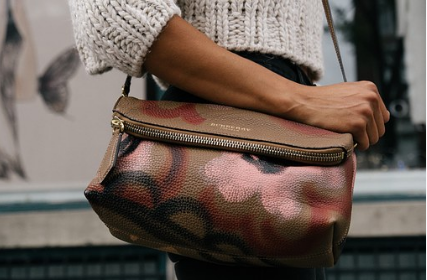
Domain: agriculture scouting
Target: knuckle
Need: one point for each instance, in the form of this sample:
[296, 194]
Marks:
[358, 125]
[369, 85]
[369, 98]
[372, 97]
[365, 110]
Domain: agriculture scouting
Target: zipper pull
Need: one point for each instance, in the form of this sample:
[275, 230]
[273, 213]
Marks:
[117, 124]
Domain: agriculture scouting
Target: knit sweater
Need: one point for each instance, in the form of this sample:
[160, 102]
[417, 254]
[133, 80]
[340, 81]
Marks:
[119, 33]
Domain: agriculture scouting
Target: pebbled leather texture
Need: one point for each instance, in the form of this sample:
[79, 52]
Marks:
[222, 206]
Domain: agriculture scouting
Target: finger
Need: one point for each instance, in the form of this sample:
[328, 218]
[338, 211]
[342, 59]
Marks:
[386, 114]
[372, 130]
[366, 124]
[383, 110]
[362, 139]
[381, 116]
[380, 121]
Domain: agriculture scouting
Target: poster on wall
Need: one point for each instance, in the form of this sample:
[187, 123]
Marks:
[54, 117]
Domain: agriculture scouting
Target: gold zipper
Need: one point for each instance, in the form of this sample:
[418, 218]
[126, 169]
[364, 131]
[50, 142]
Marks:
[329, 158]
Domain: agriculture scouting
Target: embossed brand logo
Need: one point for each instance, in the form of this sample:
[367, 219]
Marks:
[230, 127]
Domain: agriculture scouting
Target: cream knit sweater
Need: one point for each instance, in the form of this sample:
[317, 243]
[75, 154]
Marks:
[119, 33]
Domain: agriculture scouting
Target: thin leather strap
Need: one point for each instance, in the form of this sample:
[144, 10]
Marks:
[126, 86]
[330, 20]
[327, 8]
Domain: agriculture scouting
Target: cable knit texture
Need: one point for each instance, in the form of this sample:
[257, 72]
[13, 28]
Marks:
[119, 33]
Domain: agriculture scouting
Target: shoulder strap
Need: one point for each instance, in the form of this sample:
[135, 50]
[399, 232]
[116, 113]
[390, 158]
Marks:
[329, 18]
[126, 86]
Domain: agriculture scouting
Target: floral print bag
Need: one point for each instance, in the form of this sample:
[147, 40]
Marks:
[225, 185]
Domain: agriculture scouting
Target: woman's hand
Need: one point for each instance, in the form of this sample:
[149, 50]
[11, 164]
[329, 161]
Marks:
[354, 107]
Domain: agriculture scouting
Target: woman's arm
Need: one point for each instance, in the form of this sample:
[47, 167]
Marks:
[186, 58]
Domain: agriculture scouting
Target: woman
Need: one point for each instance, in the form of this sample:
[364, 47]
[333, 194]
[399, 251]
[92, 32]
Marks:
[261, 55]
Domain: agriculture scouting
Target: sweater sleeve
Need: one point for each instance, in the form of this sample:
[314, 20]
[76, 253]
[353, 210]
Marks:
[118, 33]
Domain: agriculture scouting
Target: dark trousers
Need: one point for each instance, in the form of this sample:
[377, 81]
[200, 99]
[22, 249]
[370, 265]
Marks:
[190, 269]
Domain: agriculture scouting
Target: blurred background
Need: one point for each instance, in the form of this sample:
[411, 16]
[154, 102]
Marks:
[54, 121]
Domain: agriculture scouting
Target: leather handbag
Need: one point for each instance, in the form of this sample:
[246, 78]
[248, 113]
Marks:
[225, 185]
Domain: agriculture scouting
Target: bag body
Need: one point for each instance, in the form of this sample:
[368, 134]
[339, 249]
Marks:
[223, 204]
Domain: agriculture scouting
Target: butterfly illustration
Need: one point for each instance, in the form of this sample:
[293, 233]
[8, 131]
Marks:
[53, 83]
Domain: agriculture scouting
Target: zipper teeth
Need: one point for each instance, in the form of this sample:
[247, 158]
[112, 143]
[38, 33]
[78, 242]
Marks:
[234, 144]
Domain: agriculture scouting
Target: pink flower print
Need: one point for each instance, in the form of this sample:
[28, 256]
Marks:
[287, 192]
[185, 111]
[242, 180]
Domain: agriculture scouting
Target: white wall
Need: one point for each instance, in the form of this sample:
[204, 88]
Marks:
[57, 148]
